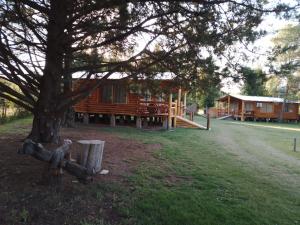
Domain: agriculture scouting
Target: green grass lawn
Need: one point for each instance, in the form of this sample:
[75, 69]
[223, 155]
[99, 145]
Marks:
[19, 126]
[232, 174]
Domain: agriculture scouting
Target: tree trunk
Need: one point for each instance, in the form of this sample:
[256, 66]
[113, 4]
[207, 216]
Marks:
[47, 114]
[283, 103]
[45, 128]
[69, 118]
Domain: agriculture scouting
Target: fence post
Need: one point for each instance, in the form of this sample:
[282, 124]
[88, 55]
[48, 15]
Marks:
[295, 144]
[207, 118]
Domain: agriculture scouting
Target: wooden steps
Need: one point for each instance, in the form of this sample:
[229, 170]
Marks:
[185, 123]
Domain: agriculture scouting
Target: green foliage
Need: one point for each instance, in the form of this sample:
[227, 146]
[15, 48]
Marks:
[206, 88]
[24, 215]
[254, 81]
[16, 112]
[204, 98]
[285, 60]
[286, 52]
[137, 37]
[273, 86]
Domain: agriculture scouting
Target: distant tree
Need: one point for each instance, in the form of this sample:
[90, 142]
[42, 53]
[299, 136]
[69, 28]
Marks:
[254, 81]
[206, 88]
[273, 85]
[285, 59]
[285, 62]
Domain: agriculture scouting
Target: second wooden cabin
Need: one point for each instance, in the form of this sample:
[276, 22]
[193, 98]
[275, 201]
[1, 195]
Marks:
[257, 108]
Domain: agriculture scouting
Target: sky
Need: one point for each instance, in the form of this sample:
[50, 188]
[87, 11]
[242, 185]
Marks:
[259, 59]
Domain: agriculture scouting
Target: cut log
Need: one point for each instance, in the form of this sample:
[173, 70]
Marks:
[91, 154]
[58, 159]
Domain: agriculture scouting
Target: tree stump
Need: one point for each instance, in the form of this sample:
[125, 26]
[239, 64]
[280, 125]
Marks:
[91, 154]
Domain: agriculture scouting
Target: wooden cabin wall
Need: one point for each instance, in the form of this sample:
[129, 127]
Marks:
[93, 104]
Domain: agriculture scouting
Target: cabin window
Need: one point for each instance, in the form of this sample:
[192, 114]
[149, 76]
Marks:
[120, 94]
[266, 107]
[107, 93]
[161, 97]
[147, 95]
[258, 104]
[248, 106]
[288, 108]
[234, 107]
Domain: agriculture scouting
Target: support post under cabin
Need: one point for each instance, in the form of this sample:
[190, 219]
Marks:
[86, 118]
[138, 122]
[165, 122]
[112, 120]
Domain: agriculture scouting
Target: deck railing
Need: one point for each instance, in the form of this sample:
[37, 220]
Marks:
[152, 108]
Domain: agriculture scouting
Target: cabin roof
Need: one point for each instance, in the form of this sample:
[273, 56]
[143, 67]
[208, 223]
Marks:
[257, 98]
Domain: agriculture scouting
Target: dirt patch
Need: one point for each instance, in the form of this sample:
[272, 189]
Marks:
[24, 201]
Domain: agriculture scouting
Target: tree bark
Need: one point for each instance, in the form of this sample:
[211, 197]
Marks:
[47, 114]
[45, 128]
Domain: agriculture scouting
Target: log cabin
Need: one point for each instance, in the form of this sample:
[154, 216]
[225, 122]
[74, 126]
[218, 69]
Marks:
[123, 101]
[244, 107]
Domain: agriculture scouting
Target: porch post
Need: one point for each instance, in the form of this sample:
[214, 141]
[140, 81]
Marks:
[175, 114]
[179, 102]
[184, 104]
[170, 112]
[243, 111]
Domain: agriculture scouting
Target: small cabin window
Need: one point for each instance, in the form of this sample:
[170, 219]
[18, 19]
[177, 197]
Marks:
[266, 107]
[288, 108]
[259, 104]
[248, 106]
[120, 94]
[107, 93]
[146, 95]
[161, 97]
